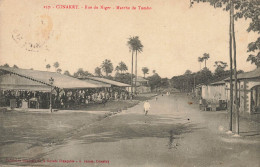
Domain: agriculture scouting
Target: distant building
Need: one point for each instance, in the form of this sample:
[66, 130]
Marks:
[142, 85]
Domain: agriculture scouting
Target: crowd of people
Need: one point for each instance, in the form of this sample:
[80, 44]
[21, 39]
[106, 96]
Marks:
[62, 99]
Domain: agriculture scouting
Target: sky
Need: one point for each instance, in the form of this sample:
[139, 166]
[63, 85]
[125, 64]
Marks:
[173, 34]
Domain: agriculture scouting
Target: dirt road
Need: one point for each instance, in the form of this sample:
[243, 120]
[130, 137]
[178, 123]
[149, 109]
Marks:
[175, 133]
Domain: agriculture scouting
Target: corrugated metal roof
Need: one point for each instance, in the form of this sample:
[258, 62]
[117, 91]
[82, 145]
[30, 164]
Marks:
[60, 80]
[248, 75]
[108, 81]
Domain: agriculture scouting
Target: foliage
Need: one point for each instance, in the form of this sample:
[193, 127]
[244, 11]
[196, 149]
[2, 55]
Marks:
[123, 77]
[187, 72]
[254, 59]
[15, 66]
[98, 71]
[252, 47]
[154, 81]
[185, 82]
[67, 73]
[107, 66]
[220, 69]
[164, 83]
[205, 58]
[59, 70]
[145, 70]
[6, 65]
[121, 67]
[135, 44]
[48, 66]
[56, 65]
[82, 73]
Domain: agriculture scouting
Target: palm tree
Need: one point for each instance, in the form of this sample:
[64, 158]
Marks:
[107, 66]
[145, 70]
[130, 44]
[56, 65]
[205, 58]
[200, 60]
[135, 45]
[121, 67]
[48, 66]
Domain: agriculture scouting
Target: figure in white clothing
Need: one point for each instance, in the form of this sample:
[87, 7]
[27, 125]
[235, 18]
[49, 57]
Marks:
[146, 107]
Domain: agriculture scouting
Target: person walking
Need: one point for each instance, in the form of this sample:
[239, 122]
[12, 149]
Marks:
[146, 107]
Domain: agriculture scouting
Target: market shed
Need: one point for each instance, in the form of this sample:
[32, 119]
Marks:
[32, 88]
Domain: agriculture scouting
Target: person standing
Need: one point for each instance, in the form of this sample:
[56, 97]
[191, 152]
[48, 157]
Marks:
[146, 107]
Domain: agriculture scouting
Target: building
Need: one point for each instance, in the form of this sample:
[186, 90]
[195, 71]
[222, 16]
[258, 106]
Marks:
[141, 85]
[214, 91]
[248, 91]
[23, 88]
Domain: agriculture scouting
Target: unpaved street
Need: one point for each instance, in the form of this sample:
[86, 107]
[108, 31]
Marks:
[175, 133]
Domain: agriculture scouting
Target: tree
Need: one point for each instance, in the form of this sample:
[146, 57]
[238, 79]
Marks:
[205, 58]
[98, 71]
[56, 65]
[6, 65]
[107, 66]
[187, 72]
[48, 66]
[200, 60]
[145, 70]
[154, 81]
[136, 46]
[81, 73]
[254, 59]
[15, 66]
[121, 67]
[67, 73]
[220, 72]
[59, 70]
[123, 77]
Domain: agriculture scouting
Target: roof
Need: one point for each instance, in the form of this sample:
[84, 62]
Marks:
[60, 80]
[108, 81]
[248, 75]
[222, 82]
[101, 84]
[140, 79]
[15, 82]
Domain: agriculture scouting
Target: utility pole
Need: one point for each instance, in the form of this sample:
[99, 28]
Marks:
[194, 83]
[51, 80]
[231, 70]
[235, 70]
